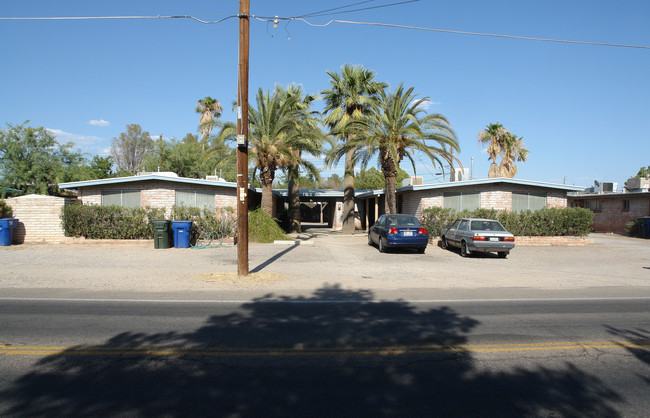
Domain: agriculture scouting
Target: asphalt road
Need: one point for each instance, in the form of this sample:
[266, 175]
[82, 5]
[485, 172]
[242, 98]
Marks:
[335, 352]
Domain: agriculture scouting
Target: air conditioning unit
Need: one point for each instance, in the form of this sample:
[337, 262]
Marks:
[460, 174]
[215, 178]
[610, 187]
[412, 181]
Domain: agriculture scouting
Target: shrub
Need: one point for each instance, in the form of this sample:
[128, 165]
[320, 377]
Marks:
[544, 222]
[207, 225]
[109, 222]
[633, 228]
[263, 228]
[5, 209]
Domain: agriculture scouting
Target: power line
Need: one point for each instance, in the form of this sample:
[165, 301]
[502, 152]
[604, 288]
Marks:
[120, 17]
[494, 35]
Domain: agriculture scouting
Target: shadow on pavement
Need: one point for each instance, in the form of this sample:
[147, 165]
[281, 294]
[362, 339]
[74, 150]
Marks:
[334, 353]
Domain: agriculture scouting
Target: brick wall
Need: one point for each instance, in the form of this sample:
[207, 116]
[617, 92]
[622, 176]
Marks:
[160, 194]
[39, 218]
[612, 217]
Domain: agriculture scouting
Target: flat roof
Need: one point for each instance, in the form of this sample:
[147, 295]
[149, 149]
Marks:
[496, 180]
[148, 177]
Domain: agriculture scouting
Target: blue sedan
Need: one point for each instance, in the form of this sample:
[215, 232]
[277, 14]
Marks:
[398, 231]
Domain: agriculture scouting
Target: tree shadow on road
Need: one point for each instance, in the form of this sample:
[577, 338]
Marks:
[635, 341]
[334, 353]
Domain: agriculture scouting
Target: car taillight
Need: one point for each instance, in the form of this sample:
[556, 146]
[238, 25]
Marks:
[509, 239]
[392, 231]
[478, 238]
[422, 231]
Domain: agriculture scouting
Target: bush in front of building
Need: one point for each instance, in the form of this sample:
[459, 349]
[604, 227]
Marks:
[207, 225]
[109, 222]
[263, 228]
[5, 209]
[545, 222]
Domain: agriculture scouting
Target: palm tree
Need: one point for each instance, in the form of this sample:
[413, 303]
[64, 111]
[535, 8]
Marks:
[512, 150]
[352, 96]
[500, 142]
[401, 128]
[210, 109]
[274, 138]
[493, 135]
[308, 138]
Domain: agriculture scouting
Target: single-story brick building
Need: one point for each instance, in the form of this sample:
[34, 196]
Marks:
[612, 211]
[493, 193]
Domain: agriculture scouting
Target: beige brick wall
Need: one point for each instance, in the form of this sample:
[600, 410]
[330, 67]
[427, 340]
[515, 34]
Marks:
[39, 218]
[160, 194]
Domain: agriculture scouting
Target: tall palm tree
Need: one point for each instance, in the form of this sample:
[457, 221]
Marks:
[401, 128]
[352, 96]
[308, 138]
[512, 150]
[274, 138]
[492, 136]
[210, 110]
[500, 142]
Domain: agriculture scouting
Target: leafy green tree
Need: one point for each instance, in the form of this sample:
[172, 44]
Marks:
[353, 95]
[131, 148]
[32, 160]
[643, 172]
[401, 128]
[332, 182]
[373, 179]
[101, 167]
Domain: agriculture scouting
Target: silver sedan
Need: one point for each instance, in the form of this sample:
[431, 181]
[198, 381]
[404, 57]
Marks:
[478, 235]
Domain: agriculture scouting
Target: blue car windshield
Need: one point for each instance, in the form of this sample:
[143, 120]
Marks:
[487, 226]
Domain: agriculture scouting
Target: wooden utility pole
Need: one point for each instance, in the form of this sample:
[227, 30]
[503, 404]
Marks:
[242, 140]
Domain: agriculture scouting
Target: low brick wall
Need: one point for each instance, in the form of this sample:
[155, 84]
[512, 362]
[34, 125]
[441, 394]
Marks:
[39, 218]
[553, 241]
[545, 241]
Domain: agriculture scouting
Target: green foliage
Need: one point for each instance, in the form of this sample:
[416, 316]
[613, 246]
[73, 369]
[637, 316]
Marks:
[633, 229]
[33, 161]
[131, 148]
[207, 225]
[5, 209]
[373, 179]
[544, 222]
[109, 222]
[263, 228]
[643, 171]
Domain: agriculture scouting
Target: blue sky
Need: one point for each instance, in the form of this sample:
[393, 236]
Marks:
[581, 109]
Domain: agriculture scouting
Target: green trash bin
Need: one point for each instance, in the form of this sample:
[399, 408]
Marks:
[644, 227]
[161, 235]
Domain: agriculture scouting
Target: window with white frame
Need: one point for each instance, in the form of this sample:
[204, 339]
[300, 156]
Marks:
[461, 200]
[528, 201]
[203, 199]
[125, 198]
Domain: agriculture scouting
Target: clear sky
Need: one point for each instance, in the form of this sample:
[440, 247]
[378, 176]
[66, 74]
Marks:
[583, 110]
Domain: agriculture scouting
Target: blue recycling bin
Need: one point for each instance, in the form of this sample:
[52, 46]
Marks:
[182, 231]
[7, 226]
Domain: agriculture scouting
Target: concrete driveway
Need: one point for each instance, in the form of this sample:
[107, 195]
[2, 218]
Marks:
[619, 264]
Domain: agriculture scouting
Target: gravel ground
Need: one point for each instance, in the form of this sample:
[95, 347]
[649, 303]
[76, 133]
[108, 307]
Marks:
[322, 258]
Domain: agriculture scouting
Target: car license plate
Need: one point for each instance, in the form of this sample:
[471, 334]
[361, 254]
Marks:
[408, 233]
[494, 239]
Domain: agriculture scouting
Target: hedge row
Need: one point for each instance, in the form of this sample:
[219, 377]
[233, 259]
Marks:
[207, 225]
[545, 222]
[109, 222]
[114, 222]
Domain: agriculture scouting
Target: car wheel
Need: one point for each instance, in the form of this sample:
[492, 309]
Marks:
[382, 246]
[503, 254]
[443, 243]
[464, 251]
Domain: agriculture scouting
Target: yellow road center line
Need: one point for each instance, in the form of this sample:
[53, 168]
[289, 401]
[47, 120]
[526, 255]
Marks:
[317, 351]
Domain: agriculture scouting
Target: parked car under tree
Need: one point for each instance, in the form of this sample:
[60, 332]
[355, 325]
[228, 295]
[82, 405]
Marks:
[478, 235]
[398, 231]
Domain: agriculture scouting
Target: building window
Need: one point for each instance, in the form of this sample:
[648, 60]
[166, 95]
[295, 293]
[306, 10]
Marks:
[461, 200]
[528, 201]
[626, 205]
[593, 205]
[125, 198]
[202, 199]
